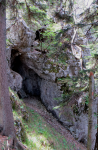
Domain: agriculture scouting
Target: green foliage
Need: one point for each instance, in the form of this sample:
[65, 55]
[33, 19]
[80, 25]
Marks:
[86, 98]
[36, 13]
[56, 48]
[49, 43]
[75, 109]
[8, 42]
[72, 87]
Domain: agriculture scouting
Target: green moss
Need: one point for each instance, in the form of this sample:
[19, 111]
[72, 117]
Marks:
[18, 105]
[20, 130]
[54, 69]
[53, 66]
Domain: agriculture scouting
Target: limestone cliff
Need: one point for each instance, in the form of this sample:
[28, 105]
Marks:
[33, 73]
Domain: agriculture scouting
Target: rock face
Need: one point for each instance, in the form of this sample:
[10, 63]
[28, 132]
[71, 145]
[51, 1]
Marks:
[20, 35]
[14, 79]
[40, 79]
[39, 75]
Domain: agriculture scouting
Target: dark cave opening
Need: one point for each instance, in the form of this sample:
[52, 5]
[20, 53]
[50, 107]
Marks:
[31, 81]
[31, 84]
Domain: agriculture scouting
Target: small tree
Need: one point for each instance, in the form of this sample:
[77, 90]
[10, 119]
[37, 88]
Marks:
[91, 98]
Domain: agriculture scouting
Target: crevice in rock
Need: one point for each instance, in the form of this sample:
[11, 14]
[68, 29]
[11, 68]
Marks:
[31, 81]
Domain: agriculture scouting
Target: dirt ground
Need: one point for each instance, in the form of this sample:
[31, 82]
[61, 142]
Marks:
[35, 104]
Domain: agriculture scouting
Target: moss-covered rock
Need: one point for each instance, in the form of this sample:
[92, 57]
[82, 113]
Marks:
[20, 131]
[17, 104]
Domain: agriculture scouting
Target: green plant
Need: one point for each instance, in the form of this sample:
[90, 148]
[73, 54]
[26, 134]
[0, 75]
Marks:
[37, 13]
[86, 98]
[75, 109]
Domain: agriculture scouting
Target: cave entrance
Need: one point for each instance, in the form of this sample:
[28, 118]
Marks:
[31, 81]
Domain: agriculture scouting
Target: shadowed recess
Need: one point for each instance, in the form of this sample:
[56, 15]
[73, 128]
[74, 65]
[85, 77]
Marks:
[31, 81]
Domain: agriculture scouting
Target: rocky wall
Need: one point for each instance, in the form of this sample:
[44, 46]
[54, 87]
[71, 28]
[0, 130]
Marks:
[37, 76]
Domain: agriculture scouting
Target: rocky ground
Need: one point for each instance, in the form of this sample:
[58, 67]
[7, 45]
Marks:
[36, 105]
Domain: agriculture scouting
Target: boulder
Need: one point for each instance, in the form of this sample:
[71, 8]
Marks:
[14, 80]
[20, 35]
